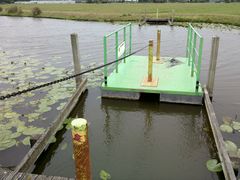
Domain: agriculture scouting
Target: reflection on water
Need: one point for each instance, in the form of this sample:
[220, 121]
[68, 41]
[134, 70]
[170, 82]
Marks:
[139, 140]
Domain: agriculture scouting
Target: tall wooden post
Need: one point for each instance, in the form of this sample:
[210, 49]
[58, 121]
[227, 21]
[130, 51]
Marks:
[212, 66]
[76, 57]
[150, 60]
[81, 149]
[158, 45]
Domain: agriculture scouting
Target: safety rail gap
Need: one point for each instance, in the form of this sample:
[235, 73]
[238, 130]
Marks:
[194, 52]
[121, 48]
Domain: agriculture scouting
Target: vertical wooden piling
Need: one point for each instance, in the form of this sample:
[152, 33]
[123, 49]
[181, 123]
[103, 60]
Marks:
[212, 65]
[158, 45]
[150, 60]
[81, 149]
[76, 57]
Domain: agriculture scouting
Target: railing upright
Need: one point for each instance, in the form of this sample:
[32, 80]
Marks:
[116, 50]
[105, 59]
[193, 53]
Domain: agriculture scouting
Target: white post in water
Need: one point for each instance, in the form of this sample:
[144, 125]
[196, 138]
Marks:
[76, 57]
[81, 149]
[212, 66]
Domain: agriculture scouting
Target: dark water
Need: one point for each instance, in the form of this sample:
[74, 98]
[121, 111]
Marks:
[130, 140]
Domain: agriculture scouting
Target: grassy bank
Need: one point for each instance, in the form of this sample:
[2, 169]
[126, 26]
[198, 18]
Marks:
[184, 12]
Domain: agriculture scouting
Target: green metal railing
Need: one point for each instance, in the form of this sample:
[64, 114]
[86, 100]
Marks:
[124, 47]
[194, 52]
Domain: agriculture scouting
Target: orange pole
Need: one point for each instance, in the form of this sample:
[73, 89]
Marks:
[81, 149]
[150, 60]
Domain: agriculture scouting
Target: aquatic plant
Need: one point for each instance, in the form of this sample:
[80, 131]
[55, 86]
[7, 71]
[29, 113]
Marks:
[104, 175]
[213, 165]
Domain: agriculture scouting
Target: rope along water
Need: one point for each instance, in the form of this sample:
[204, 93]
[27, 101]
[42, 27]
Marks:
[66, 78]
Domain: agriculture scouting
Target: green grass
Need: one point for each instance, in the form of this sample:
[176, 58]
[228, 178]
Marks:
[224, 13]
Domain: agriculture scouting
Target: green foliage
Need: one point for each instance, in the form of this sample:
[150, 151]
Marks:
[104, 175]
[213, 165]
[12, 10]
[1, 9]
[36, 11]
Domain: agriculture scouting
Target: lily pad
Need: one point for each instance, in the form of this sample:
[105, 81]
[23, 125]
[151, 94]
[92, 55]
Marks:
[33, 131]
[213, 165]
[236, 125]
[26, 140]
[7, 144]
[231, 146]
[226, 128]
[104, 175]
[52, 140]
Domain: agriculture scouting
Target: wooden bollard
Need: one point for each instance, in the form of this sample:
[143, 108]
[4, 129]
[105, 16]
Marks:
[212, 66]
[76, 57]
[158, 45]
[150, 60]
[81, 149]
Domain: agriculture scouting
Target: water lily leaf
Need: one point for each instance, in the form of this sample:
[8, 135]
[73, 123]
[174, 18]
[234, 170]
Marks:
[226, 128]
[213, 165]
[52, 140]
[15, 135]
[64, 146]
[104, 175]
[7, 144]
[227, 120]
[236, 125]
[26, 140]
[60, 107]
[231, 146]
[33, 131]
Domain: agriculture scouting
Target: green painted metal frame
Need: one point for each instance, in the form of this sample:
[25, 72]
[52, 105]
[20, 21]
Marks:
[193, 52]
[116, 34]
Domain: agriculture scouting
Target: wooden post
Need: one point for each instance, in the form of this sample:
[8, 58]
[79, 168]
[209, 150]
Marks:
[150, 60]
[81, 149]
[212, 66]
[76, 57]
[158, 44]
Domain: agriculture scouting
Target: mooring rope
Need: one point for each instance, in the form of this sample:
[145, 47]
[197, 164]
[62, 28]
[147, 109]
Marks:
[66, 78]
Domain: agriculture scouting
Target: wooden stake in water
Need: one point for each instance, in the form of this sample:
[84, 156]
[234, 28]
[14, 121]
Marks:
[158, 44]
[76, 57]
[212, 66]
[81, 149]
[150, 60]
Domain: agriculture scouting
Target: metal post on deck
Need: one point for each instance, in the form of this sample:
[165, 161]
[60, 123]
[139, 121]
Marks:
[116, 50]
[150, 60]
[81, 149]
[193, 53]
[130, 38]
[105, 59]
[76, 57]
[158, 44]
[124, 38]
[212, 65]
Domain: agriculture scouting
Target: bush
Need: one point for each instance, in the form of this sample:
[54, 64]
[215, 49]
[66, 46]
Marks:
[12, 10]
[36, 11]
[20, 11]
[1, 9]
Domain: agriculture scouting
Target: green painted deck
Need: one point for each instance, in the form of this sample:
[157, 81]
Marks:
[173, 77]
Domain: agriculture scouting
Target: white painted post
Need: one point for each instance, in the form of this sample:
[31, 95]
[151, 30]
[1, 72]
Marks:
[76, 57]
[212, 66]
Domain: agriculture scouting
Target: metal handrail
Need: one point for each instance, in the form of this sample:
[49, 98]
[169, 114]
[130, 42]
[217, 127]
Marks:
[194, 53]
[116, 34]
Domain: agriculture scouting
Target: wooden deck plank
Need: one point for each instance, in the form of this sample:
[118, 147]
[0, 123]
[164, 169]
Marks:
[222, 153]
[27, 176]
[42, 142]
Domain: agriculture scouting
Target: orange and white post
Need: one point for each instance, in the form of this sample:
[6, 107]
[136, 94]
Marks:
[81, 149]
